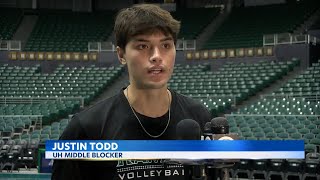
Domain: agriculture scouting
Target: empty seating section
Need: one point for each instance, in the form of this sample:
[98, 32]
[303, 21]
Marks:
[64, 31]
[279, 127]
[231, 84]
[291, 112]
[266, 127]
[297, 97]
[9, 21]
[307, 83]
[86, 82]
[52, 131]
[245, 27]
[192, 24]
[50, 110]
[21, 150]
[13, 126]
[283, 106]
[25, 91]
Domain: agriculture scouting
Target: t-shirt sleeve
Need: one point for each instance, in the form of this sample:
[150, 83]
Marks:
[68, 169]
[73, 131]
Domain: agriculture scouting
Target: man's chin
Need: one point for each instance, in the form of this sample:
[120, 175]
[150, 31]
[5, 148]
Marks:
[155, 85]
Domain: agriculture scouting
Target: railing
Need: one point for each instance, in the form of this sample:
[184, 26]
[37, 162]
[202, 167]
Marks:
[315, 96]
[10, 45]
[287, 38]
[101, 47]
[181, 45]
[36, 118]
[286, 115]
[37, 100]
[217, 97]
[185, 45]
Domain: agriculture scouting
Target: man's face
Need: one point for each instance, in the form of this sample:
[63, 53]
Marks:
[150, 59]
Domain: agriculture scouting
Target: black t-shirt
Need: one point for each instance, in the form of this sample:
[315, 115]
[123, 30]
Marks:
[113, 119]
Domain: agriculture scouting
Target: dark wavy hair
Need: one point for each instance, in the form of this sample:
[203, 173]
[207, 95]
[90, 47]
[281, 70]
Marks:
[143, 19]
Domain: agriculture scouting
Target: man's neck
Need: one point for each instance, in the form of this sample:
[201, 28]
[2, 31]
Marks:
[149, 102]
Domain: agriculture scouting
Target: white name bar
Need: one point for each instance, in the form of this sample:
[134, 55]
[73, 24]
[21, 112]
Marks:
[111, 155]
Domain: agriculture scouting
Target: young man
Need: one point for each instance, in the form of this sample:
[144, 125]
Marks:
[146, 109]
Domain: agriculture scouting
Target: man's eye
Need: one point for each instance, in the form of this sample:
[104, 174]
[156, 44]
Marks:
[167, 45]
[142, 46]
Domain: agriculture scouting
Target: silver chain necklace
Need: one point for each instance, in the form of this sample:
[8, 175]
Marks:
[144, 129]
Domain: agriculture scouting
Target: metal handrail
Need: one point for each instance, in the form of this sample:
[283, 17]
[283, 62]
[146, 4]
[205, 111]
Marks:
[227, 115]
[314, 96]
[219, 96]
[35, 100]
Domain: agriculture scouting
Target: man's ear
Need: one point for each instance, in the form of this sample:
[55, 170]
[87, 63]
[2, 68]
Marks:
[120, 53]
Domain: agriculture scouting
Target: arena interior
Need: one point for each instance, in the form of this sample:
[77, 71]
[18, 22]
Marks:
[255, 62]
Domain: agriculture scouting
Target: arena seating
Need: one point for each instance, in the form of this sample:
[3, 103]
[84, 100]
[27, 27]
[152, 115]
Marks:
[71, 32]
[192, 24]
[33, 103]
[233, 83]
[64, 31]
[9, 21]
[25, 91]
[297, 97]
[51, 110]
[52, 131]
[278, 127]
[283, 116]
[18, 153]
[21, 151]
[245, 27]
[308, 83]
[63, 82]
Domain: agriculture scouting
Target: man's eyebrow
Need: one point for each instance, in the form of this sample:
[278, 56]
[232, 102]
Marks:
[166, 39]
[139, 40]
[145, 40]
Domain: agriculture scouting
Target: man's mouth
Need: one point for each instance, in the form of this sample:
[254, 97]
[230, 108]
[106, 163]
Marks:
[155, 71]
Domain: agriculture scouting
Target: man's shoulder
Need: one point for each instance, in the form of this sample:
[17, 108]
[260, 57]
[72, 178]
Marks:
[89, 123]
[188, 101]
[98, 111]
[101, 105]
[194, 108]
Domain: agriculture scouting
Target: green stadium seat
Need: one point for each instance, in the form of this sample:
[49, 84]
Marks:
[271, 135]
[304, 130]
[35, 136]
[25, 136]
[259, 135]
[308, 137]
[296, 136]
[310, 148]
[283, 135]
[279, 130]
[315, 131]
[292, 130]
[54, 136]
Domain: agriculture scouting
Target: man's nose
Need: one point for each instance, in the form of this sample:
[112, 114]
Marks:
[156, 55]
